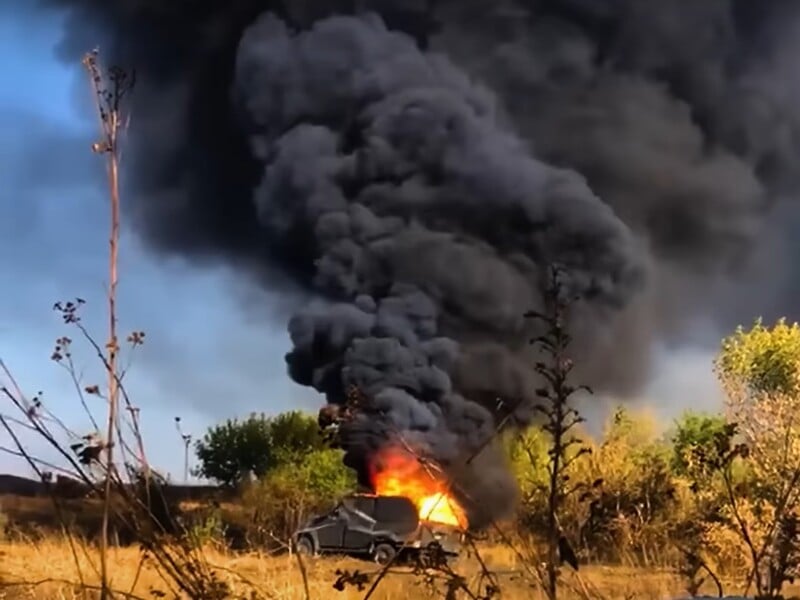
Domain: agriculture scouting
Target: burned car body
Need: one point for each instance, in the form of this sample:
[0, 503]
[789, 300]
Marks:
[378, 527]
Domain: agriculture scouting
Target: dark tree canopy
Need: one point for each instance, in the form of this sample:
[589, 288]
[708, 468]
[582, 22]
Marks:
[232, 450]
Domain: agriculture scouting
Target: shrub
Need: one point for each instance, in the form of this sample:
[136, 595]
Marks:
[278, 504]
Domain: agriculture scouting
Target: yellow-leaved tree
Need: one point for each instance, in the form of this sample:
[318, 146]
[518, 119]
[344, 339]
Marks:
[759, 370]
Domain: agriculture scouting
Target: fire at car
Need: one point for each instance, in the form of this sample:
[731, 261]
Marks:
[395, 471]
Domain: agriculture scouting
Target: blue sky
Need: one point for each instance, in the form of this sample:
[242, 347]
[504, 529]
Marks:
[206, 357]
[212, 351]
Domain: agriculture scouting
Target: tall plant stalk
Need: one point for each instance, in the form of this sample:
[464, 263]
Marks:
[109, 90]
[560, 418]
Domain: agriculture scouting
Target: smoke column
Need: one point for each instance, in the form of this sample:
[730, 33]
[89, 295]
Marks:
[410, 167]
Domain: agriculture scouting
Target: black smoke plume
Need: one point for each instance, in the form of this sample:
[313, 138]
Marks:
[412, 166]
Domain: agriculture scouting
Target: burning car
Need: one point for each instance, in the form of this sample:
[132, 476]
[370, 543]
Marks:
[378, 527]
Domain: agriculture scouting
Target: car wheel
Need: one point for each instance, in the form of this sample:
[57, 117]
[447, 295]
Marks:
[383, 554]
[304, 546]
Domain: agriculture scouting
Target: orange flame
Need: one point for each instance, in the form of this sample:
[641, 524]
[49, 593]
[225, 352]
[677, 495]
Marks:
[395, 472]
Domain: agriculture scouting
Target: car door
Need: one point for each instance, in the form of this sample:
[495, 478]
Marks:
[358, 535]
[330, 535]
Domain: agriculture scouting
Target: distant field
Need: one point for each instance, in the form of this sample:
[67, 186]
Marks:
[30, 511]
[23, 487]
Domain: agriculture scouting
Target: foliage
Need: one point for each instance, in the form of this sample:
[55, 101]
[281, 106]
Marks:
[293, 435]
[527, 456]
[762, 360]
[760, 372]
[231, 451]
[695, 435]
[290, 493]
[628, 510]
[628, 494]
[208, 530]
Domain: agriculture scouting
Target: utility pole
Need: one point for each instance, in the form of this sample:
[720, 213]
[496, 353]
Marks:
[187, 441]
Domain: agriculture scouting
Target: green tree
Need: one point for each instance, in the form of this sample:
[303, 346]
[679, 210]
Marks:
[230, 451]
[759, 369]
[695, 436]
[321, 475]
[528, 458]
[762, 360]
[293, 435]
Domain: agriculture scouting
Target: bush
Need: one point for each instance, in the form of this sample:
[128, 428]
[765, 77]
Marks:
[278, 504]
[695, 436]
[209, 529]
[629, 504]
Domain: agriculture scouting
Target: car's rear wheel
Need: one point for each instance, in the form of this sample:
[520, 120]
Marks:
[304, 546]
[383, 554]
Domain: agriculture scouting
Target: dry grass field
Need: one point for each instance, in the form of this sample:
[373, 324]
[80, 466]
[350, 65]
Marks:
[47, 570]
[43, 566]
